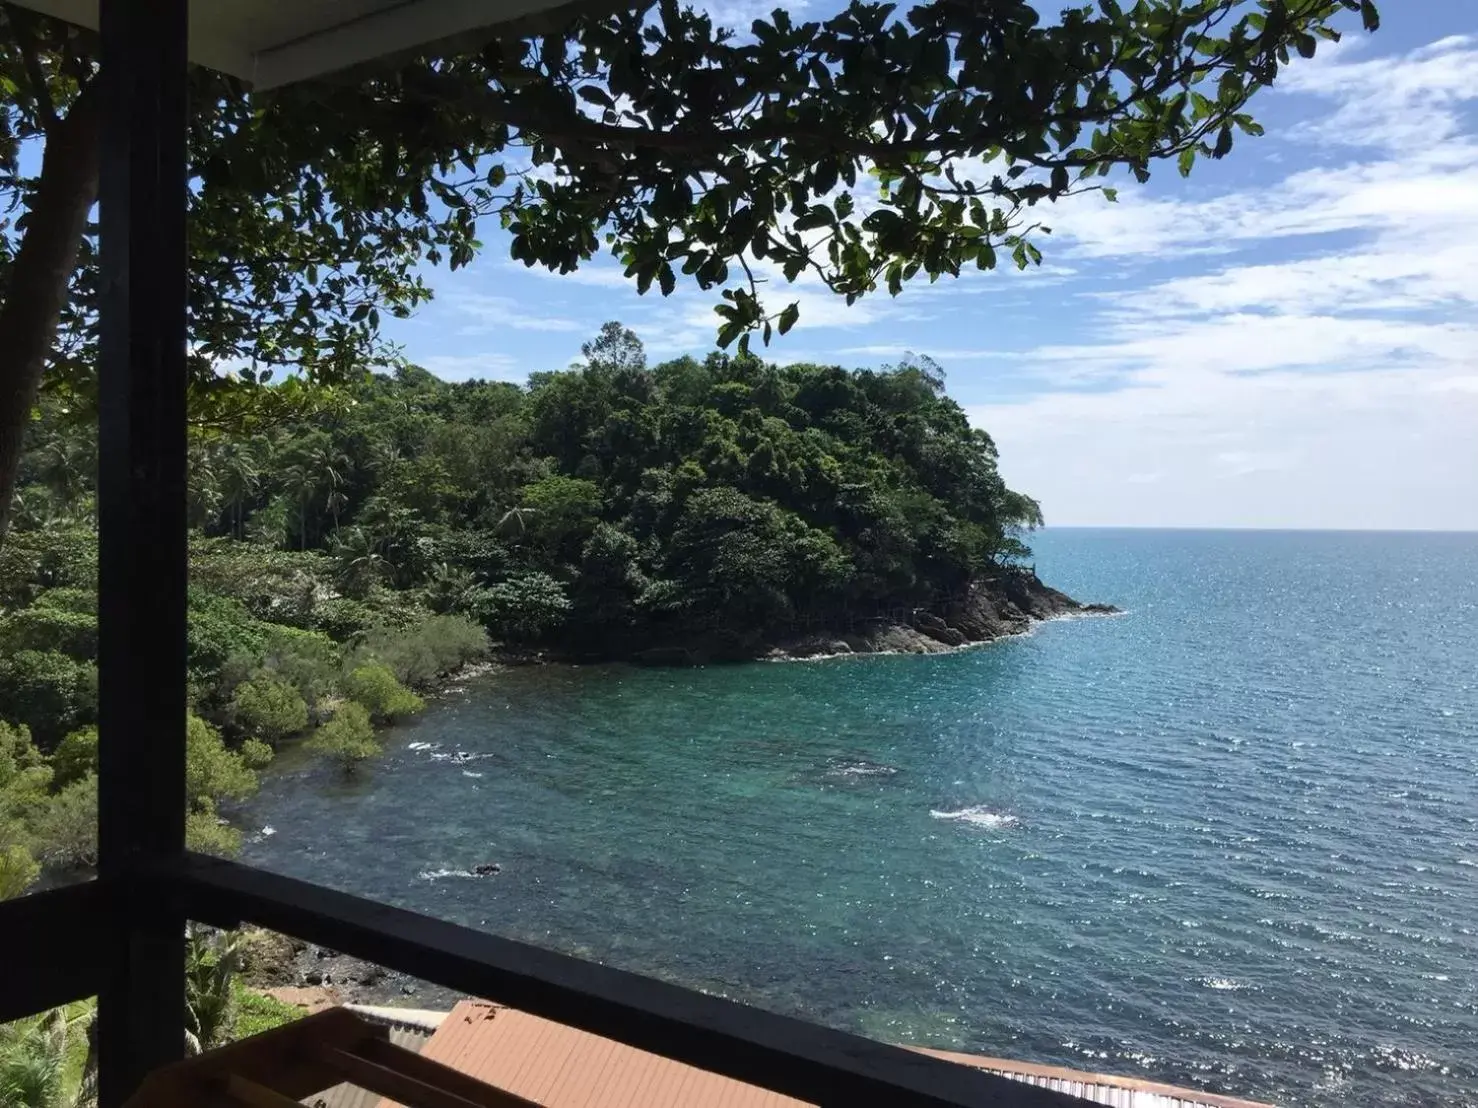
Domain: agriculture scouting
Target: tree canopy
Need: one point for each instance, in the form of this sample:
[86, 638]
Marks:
[865, 148]
[599, 510]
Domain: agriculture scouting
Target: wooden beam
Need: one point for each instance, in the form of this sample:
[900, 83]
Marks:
[142, 566]
[54, 943]
[790, 1056]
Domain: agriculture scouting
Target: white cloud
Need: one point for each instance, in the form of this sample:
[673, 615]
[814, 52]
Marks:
[489, 314]
[1317, 365]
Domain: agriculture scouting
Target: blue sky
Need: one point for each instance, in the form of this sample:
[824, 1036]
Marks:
[1285, 339]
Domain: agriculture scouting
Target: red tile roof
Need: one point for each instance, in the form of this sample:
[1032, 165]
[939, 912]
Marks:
[561, 1067]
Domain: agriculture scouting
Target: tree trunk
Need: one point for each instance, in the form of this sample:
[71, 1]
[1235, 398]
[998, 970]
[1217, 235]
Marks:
[42, 274]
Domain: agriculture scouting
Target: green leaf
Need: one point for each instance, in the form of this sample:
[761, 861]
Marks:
[1187, 160]
[1369, 16]
[788, 317]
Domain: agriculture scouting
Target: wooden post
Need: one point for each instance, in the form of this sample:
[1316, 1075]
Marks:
[142, 534]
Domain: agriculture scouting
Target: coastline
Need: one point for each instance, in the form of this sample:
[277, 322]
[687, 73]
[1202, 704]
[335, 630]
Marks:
[1007, 604]
[1002, 607]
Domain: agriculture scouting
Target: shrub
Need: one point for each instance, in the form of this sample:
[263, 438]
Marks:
[418, 655]
[341, 618]
[257, 1012]
[213, 772]
[282, 586]
[255, 754]
[17, 868]
[23, 771]
[348, 739]
[308, 660]
[525, 608]
[65, 836]
[75, 757]
[219, 629]
[374, 688]
[208, 833]
[44, 628]
[82, 601]
[32, 561]
[269, 708]
[49, 693]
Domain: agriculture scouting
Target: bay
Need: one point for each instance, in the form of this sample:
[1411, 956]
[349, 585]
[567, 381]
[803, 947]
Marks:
[1227, 839]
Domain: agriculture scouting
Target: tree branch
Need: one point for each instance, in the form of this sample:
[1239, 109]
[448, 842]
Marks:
[22, 23]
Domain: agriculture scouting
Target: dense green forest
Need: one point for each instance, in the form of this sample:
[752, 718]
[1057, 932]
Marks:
[364, 541]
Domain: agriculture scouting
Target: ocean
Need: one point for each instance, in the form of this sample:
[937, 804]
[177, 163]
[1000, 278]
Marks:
[1228, 839]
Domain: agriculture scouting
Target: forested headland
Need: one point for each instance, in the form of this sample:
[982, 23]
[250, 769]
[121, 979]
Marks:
[360, 542]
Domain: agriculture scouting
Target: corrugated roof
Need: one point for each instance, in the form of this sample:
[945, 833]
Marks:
[561, 1067]
[412, 1036]
[1097, 1088]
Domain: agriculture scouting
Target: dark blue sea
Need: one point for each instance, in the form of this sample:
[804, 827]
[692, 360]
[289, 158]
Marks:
[1228, 839]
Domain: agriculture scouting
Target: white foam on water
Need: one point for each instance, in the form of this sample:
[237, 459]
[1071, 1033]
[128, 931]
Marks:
[438, 874]
[422, 746]
[469, 773]
[862, 769]
[979, 816]
[1223, 984]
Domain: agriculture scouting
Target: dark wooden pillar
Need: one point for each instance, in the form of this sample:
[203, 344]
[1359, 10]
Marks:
[142, 530]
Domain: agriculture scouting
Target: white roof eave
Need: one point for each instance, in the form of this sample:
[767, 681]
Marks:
[268, 43]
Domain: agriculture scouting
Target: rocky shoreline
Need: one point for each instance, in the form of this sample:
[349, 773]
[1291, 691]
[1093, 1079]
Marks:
[313, 977]
[994, 608]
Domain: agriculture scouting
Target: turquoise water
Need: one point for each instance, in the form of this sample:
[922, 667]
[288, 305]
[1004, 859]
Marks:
[1229, 839]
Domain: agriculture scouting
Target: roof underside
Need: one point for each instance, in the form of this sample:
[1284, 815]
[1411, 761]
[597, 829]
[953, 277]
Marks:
[276, 42]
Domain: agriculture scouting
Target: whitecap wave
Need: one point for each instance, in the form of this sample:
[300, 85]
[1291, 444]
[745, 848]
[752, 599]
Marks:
[459, 757]
[1223, 984]
[439, 874]
[422, 746]
[469, 773]
[979, 816]
[860, 768]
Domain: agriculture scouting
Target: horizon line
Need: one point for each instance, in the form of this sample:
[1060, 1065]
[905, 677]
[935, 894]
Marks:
[1259, 527]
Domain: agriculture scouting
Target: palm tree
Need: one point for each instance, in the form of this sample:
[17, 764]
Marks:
[33, 1059]
[514, 522]
[212, 960]
[331, 464]
[202, 493]
[300, 483]
[240, 478]
[450, 588]
[361, 563]
[63, 466]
